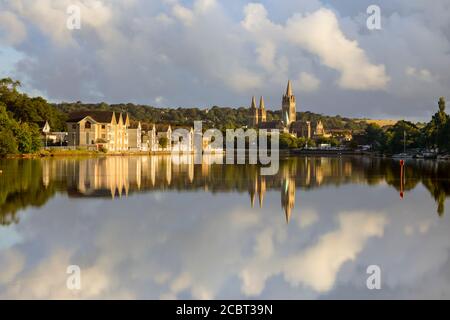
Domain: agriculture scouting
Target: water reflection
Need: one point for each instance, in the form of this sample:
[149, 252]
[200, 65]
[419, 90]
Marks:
[33, 182]
[148, 227]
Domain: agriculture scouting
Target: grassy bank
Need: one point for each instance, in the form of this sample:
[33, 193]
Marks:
[73, 153]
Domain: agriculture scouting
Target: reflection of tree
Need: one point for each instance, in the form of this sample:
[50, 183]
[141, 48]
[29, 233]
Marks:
[21, 185]
[32, 182]
[439, 187]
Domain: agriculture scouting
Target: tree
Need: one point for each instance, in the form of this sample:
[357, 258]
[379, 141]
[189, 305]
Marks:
[8, 143]
[9, 84]
[287, 141]
[26, 109]
[375, 136]
[18, 137]
[396, 136]
[23, 137]
[163, 142]
[435, 131]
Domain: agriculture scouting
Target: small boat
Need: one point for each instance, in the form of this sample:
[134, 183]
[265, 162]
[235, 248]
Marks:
[419, 156]
[429, 155]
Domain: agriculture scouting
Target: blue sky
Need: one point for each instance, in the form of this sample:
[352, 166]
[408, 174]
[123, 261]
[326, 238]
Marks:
[201, 53]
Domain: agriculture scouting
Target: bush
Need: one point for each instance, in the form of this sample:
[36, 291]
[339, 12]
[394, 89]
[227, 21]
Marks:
[27, 137]
[8, 143]
[163, 142]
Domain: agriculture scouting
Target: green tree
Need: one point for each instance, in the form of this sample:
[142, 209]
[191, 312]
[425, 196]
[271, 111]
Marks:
[287, 141]
[434, 132]
[163, 142]
[26, 109]
[397, 134]
[8, 143]
[375, 136]
[18, 137]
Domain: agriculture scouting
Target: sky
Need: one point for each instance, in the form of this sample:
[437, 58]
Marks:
[200, 53]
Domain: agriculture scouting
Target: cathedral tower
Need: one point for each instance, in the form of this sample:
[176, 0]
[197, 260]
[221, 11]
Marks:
[254, 114]
[262, 111]
[289, 114]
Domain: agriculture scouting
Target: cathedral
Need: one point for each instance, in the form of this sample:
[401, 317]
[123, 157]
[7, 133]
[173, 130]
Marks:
[258, 115]
[288, 122]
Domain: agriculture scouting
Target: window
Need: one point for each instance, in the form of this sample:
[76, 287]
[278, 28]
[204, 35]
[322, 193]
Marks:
[103, 126]
[74, 126]
[87, 125]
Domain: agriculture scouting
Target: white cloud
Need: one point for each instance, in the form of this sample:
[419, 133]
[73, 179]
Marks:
[12, 262]
[206, 52]
[317, 266]
[12, 30]
[183, 14]
[320, 34]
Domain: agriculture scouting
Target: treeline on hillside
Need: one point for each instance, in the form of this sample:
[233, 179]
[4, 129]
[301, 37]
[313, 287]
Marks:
[29, 109]
[19, 115]
[19, 118]
[432, 135]
[216, 117]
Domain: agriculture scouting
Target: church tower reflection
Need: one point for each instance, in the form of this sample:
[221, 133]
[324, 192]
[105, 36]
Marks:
[288, 196]
[288, 185]
[256, 185]
[116, 177]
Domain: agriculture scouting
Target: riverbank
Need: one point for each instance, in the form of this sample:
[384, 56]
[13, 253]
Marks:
[82, 152]
[71, 153]
[282, 152]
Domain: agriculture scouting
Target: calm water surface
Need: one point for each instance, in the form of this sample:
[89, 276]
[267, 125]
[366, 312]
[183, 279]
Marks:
[145, 227]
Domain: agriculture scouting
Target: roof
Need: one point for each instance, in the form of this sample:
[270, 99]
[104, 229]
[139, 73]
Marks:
[289, 89]
[41, 124]
[99, 116]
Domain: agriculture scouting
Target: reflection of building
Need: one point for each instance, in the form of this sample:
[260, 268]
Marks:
[257, 185]
[111, 177]
[288, 196]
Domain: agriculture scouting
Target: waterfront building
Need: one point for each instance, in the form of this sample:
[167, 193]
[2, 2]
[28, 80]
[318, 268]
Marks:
[94, 129]
[135, 137]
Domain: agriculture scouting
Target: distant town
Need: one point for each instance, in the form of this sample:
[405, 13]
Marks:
[30, 125]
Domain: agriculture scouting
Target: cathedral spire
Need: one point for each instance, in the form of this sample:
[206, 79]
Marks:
[289, 89]
[253, 103]
[261, 103]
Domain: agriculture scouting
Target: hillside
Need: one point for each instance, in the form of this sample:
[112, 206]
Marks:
[215, 117]
[381, 123]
